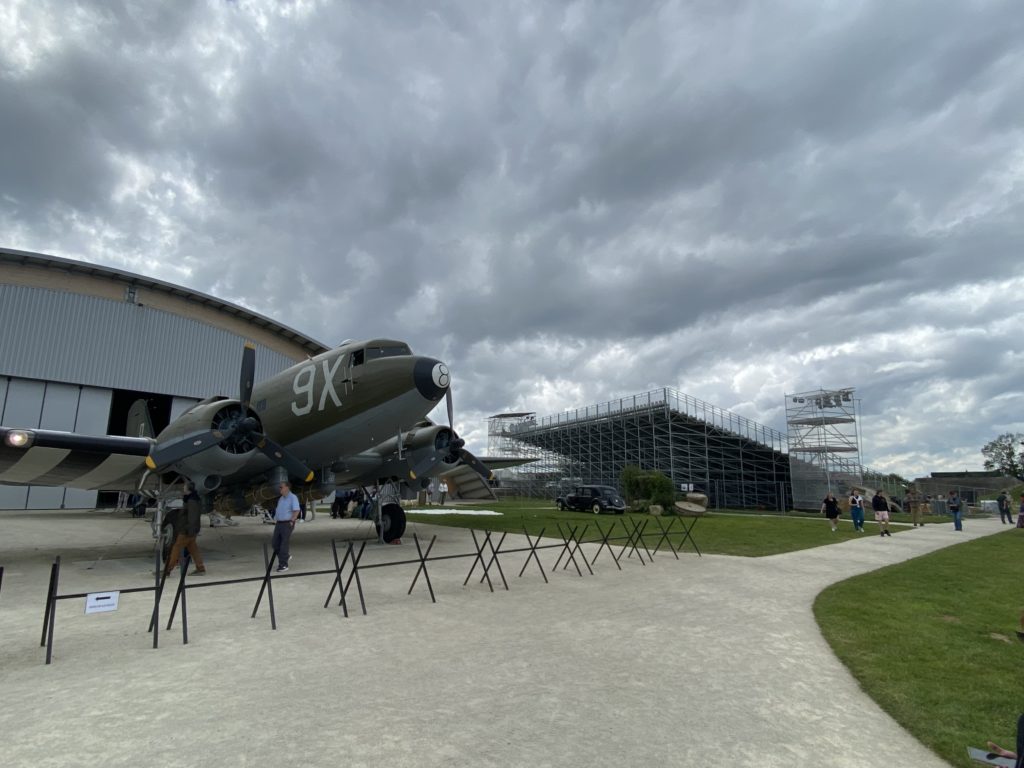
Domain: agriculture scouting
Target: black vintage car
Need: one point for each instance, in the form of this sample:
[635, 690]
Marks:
[592, 498]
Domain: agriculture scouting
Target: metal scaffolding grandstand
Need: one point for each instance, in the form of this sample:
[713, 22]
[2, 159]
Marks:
[737, 462]
[824, 448]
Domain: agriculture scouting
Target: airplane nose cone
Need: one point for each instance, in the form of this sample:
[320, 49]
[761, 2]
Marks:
[431, 378]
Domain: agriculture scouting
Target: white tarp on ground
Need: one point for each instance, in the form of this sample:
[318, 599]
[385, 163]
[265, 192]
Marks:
[452, 512]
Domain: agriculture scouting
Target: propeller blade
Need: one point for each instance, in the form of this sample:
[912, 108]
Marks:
[248, 375]
[477, 466]
[448, 404]
[285, 458]
[424, 466]
[165, 455]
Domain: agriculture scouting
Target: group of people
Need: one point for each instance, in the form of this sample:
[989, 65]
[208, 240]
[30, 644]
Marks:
[881, 507]
[186, 522]
[353, 503]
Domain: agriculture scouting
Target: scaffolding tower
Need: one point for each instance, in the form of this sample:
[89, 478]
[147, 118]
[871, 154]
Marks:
[824, 447]
[737, 462]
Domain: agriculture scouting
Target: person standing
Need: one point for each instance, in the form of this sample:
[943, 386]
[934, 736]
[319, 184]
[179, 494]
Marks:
[1020, 514]
[881, 507]
[918, 509]
[830, 508]
[1005, 516]
[186, 539]
[913, 505]
[389, 494]
[285, 515]
[955, 507]
[857, 510]
[443, 488]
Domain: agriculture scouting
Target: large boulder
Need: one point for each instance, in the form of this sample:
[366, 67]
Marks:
[701, 499]
[689, 509]
[656, 509]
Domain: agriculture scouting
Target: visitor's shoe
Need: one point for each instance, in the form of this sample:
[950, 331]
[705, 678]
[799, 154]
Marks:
[198, 572]
[282, 568]
[395, 541]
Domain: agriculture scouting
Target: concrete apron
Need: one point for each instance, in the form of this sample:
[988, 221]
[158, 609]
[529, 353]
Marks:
[696, 662]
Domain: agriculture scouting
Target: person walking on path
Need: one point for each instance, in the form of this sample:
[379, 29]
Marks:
[191, 522]
[830, 508]
[285, 515]
[1005, 515]
[857, 510]
[881, 507]
[1020, 514]
[955, 507]
[443, 488]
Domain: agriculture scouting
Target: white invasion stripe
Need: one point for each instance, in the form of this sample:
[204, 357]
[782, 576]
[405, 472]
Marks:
[114, 467]
[36, 462]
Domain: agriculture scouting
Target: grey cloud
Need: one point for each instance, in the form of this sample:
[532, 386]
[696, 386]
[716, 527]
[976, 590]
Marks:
[715, 188]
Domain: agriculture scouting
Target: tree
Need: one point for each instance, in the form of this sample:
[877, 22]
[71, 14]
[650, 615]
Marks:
[630, 479]
[646, 484]
[1004, 453]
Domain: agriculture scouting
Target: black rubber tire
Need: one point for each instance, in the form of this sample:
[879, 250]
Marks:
[561, 505]
[168, 543]
[596, 509]
[393, 519]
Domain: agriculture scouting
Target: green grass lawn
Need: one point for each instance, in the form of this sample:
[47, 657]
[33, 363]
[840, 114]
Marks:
[933, 641]
[717, 533]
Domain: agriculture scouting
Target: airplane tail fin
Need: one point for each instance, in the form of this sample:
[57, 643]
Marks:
[139, 423]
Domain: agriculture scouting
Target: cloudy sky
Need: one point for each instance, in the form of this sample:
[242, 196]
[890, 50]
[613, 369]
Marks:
[568, 202]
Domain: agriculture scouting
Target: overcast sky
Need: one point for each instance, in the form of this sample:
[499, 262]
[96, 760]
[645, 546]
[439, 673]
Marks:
[569, 203]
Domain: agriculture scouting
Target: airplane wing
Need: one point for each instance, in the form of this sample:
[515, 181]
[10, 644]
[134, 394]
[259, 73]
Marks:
[47, 457]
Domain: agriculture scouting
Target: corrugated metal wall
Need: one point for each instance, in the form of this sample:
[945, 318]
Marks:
[69, 337]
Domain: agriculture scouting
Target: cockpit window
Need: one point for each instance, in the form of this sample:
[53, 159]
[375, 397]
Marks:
[373, 353]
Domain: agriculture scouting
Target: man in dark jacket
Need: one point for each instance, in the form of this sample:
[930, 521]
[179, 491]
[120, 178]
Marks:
[1005, 516]
[187, 537]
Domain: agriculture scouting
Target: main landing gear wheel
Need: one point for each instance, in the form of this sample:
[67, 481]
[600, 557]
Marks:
[392, 521]
[168, 543]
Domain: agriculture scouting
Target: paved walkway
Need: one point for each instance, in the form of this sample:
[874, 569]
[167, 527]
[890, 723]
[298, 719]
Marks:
[698, 662]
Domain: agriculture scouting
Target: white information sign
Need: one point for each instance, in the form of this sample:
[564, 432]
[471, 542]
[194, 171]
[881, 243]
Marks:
[101, 602]
[686, 486]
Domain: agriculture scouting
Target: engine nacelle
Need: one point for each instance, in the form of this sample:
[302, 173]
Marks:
[220, 415]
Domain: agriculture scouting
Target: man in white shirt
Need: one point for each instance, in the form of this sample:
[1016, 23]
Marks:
[285, 515]
[443, 488]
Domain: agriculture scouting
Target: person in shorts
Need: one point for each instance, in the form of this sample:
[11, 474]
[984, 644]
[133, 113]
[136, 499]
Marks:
[830, 508]
[881, 507]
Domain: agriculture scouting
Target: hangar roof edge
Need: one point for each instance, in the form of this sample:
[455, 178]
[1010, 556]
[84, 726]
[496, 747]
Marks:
[45, 261]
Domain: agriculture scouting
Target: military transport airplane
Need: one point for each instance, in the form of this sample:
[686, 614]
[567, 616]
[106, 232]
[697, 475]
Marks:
[352, 416]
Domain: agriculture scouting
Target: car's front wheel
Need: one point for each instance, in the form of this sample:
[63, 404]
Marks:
[561, 505]
[596, 509]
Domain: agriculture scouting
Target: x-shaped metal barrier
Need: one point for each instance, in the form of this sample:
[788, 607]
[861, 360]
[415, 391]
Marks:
[347, 566]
